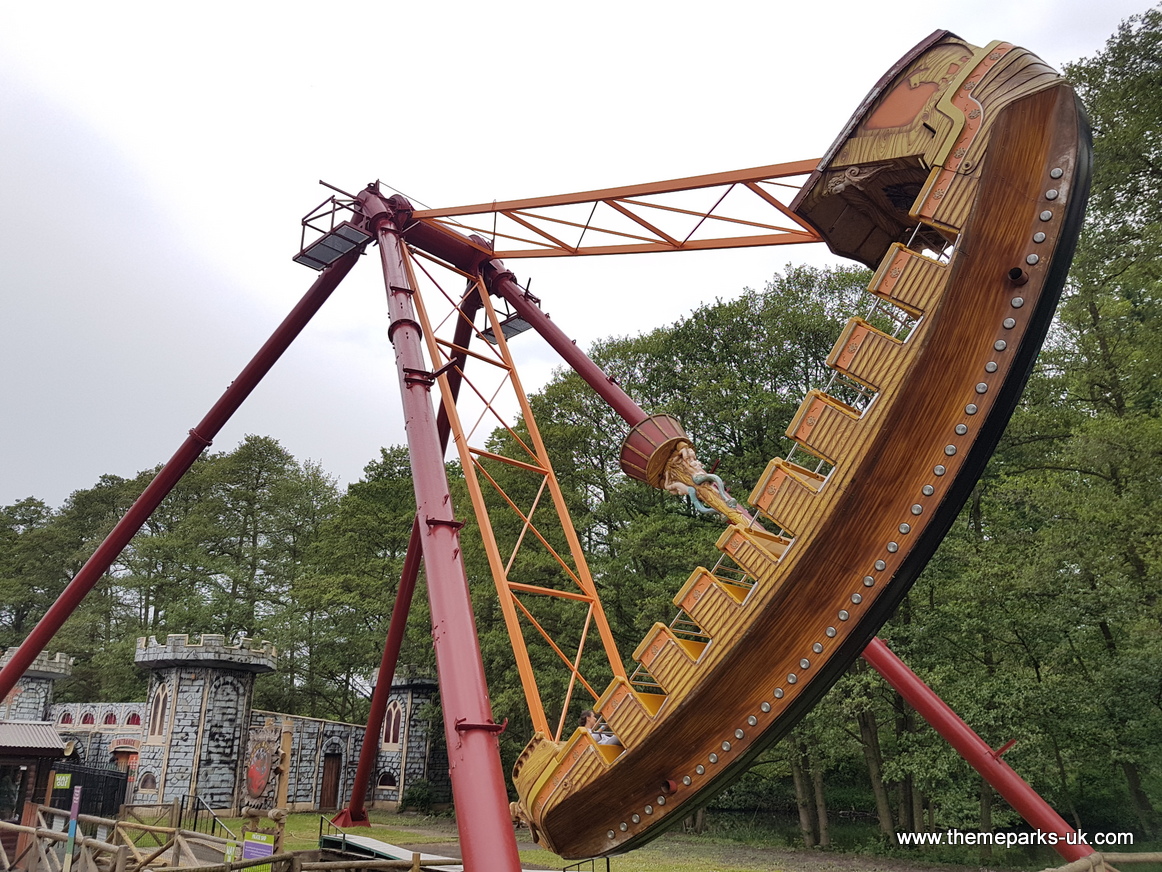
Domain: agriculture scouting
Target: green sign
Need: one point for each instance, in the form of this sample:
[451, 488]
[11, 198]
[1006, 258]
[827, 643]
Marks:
[62, 781]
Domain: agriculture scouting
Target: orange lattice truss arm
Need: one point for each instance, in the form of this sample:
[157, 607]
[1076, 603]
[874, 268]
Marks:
[736, 209]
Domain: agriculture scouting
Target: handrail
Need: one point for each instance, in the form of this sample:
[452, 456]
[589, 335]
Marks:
[119, 853]
[592, 861]
[200, 805]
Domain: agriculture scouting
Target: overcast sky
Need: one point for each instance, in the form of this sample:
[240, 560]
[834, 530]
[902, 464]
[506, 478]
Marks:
[156, 158]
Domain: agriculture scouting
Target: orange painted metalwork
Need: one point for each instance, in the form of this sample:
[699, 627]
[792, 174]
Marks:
[539, 523]
[745, 210]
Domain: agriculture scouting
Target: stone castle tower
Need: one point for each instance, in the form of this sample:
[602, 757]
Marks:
[31, 698]
[198, 715]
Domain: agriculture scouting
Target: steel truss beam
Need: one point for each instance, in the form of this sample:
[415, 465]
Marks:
[737, 209]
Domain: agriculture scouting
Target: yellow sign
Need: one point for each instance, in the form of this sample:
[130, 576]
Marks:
[62, 781]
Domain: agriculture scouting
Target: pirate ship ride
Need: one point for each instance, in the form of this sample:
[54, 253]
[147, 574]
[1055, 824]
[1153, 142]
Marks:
[962, 180]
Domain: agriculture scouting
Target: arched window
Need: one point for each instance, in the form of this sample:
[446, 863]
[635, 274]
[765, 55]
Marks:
[148, 782]
[386, 780]
[66, 718]
[392, 723]
[87, 718]
[110, 719]
[157, 714]
[134, 719]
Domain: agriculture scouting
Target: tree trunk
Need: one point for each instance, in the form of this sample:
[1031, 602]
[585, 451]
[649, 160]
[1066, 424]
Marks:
[904, 803]
[1065, 786]
[1142, 806]
[695, 823]
[986, 815]
[821, 808]
[802, 797]
[904, 789]
[869, 734]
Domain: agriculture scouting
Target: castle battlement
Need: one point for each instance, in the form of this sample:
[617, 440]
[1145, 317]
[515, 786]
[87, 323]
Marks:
[44, 666]
[210, 649]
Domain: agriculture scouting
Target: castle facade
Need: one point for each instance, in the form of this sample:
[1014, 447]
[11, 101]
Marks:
[197, 733]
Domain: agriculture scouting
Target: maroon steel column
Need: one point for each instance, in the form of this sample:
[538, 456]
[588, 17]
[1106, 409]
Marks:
[503, 284]
[199, 439]
[1016, 791]
[355, 814]
[478, 785]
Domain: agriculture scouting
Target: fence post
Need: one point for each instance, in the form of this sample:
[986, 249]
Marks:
[175, 815]
[121, 858]
[415, 862]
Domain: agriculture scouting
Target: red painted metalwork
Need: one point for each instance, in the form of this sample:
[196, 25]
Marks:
[200, 438]
[478, 783]
[355, 814]
[1015, 790]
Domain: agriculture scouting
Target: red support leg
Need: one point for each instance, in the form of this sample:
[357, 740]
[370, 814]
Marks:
[478, 784]
[1015, 790]
[199, 439]
[355, 815]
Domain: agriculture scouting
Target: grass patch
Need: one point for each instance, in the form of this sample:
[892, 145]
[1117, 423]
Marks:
[675, 852]
[743, 843]
[302, 830]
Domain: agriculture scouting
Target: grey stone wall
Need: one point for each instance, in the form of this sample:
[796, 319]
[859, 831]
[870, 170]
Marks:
[312, 741]
[95, 740]
[128, 716]
[420, 754]
[31, 698]
[209, 685]
[249, 655]
[220, 765]
[211, 743]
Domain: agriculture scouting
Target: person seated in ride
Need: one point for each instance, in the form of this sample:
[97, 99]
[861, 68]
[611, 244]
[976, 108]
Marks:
[600, 733]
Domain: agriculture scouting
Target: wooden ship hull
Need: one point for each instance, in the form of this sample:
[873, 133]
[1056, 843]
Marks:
[986, 151]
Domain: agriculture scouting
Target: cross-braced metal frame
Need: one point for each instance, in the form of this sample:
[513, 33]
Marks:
[532, 548]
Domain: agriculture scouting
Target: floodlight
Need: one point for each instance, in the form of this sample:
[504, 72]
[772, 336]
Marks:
[338, 241]
[511, 326]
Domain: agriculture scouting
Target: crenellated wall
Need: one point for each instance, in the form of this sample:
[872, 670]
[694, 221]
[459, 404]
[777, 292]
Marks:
[196, 733]
[31, 698]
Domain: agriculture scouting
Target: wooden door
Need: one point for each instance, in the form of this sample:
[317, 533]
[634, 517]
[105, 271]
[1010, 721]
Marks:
[329, 795]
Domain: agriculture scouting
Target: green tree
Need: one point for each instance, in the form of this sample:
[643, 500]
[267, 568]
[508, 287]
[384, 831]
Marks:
[332, 630]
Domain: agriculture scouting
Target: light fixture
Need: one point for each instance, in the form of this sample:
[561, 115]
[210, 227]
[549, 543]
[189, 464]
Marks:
[511, 326]
[338, 241]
